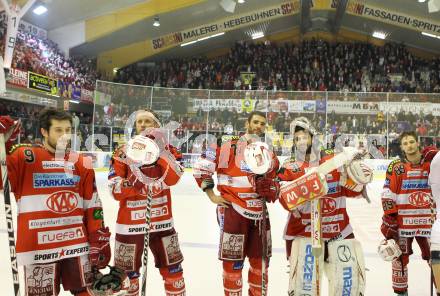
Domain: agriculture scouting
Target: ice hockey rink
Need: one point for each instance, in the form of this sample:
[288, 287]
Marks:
[195, 221]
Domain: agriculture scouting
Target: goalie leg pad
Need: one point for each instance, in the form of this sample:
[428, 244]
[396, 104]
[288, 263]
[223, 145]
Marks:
[435, 264]
[346, 268]
[303, 273]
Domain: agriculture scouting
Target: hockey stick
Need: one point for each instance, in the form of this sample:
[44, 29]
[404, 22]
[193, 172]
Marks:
[8, 213]
[146, 242]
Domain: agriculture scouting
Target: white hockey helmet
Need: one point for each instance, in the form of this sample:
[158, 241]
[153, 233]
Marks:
[303, 123]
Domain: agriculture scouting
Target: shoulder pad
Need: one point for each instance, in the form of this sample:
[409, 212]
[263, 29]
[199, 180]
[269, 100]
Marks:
[174, 151]
[291, 164]
[120, 152]
[226, 138]
[16, 146]
[396, 165]
[327, 151]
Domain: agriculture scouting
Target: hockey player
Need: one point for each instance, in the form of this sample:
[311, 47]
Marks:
[346, 273]
[131, 192]
[239, 208]
[408, 210]
[61, 238]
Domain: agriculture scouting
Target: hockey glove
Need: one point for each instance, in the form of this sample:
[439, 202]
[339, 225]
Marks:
[267, 188]
[389, 250]
[428, 153]
[11, 130]
[100, 251]
[390, 227]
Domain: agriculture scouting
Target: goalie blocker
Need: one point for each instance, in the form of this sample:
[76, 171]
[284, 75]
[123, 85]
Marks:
[344, 266]
[313, 184]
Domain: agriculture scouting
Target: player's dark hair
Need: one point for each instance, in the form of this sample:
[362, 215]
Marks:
[46, 115]
[258, 113]
[408, 134]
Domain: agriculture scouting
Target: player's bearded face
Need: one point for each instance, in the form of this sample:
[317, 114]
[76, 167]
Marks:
[59, 134]
[409, 145]
[303, 141]
[144, 120]
[256, 126]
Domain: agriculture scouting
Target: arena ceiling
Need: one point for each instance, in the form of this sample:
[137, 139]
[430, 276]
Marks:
[120, 32]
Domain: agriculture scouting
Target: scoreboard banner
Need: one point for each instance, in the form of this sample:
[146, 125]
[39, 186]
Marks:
[366, 10]
[227, 24]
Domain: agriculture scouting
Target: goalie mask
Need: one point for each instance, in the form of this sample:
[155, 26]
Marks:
[258, 157]
[302, 141]
[142, 150]
[302, 123]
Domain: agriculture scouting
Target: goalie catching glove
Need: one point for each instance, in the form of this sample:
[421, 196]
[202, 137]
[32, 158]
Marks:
[356, 175]
[100, 252]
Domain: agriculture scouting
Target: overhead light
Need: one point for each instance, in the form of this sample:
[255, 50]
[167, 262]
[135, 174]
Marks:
[257, 35]
[421, 1]
[433, 6]
[241, 1]
[115, 70]
[201, 39]
[379, 35]
[73, 101]
[431, 35]
[156, 22]
[212, 36]
[188, 43]
[40, 9]
[228, 5]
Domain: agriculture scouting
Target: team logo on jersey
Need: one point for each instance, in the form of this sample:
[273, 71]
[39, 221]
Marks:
[328, 205]
[54, 180]
[419, 199]
[62, 202]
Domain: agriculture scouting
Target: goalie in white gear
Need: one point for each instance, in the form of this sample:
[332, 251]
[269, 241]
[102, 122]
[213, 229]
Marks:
[342, 258]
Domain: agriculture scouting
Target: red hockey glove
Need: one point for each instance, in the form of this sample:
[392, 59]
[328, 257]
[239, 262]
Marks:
[267, 188]
[11, 130]
[100, 252]
[390, 227]
[428, 153]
